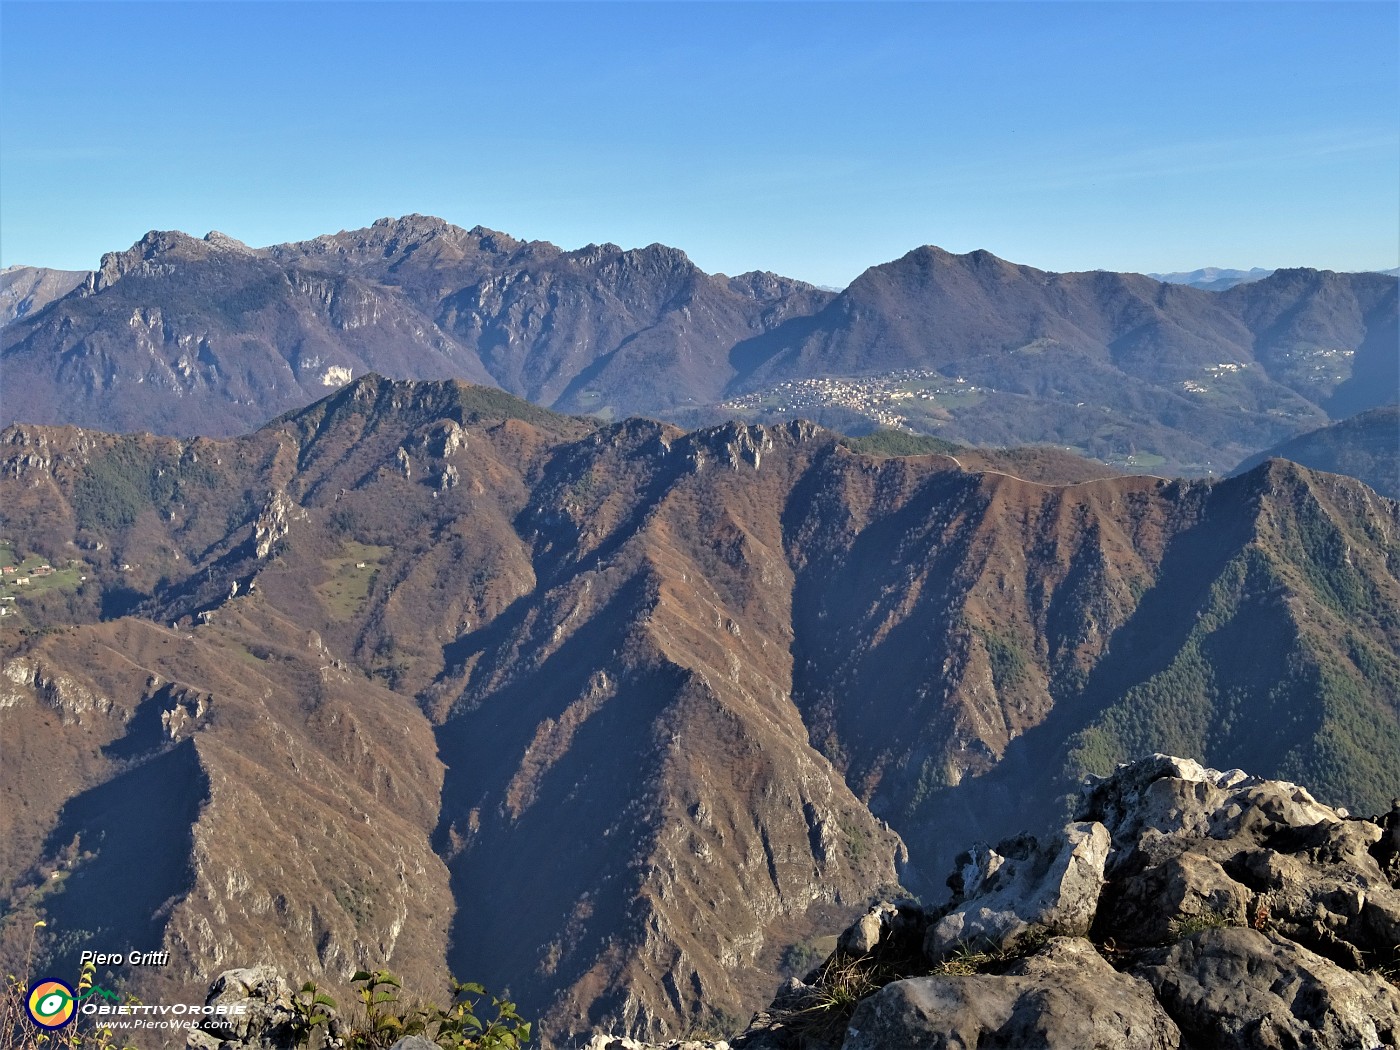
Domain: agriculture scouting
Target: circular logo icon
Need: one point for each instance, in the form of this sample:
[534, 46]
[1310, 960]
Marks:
[50, 1003]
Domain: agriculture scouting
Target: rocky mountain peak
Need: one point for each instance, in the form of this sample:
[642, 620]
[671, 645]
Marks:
[927, 254]
[982, 257]
[592, 252]
[654, 258]
[490, 240]
[402, 235]
[416, 224]
[751, 615]
[215, 239]
[432, 240]
[659, 251]
[930, 264]
[971, 347]
[766, 286]
[158, 254]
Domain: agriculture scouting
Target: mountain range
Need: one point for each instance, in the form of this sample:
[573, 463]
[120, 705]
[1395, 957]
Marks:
[186, 336]
[1213, 278]
[614, 715]
[1217, 279]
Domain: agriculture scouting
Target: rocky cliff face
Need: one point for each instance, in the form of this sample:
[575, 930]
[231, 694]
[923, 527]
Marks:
[186, 335]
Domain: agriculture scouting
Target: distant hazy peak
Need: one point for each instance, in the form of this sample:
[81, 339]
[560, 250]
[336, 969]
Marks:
[1218, 278]
[25, 290]
[1210, 274]
[765, 285]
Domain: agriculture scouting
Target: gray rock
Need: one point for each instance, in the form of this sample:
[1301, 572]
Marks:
[885, 927]
[1241, 988]
[267, 1022]
[602, 1041]
[864, 934]
[1065, 996]
[1154, 905]
[1247, 913]
[414, 1042]
[1196, 845]
[1387, 851]
[1152, 806]
[1054, 886]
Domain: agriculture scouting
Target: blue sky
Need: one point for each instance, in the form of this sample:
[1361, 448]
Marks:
[809, 139]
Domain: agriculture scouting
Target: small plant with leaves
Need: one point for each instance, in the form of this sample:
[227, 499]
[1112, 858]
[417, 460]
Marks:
[13, 1029]
[312, 1012]
[100, 1037]
[987, 956]
[460, 1028]
[13, 1033]
[382, 1025]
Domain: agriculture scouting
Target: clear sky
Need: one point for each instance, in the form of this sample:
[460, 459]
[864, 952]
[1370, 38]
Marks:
[809, 139]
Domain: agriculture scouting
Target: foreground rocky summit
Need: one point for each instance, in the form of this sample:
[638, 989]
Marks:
[1184, 908]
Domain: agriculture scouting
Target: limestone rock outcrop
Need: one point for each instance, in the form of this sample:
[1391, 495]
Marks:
[1240, 987]
[260, 1013]
[1024, 885]
[1185, 907]
[1065, 995]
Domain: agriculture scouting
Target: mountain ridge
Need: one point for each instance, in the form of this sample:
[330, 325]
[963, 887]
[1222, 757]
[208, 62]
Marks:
[739, 612]
[185, 335]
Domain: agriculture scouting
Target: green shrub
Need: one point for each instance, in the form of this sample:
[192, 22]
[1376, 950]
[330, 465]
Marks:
[381, 1019]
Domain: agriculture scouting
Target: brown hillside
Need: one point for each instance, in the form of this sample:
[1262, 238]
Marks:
[611, 715]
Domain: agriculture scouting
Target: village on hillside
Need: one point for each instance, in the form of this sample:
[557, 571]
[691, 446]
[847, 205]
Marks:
[32, 575]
